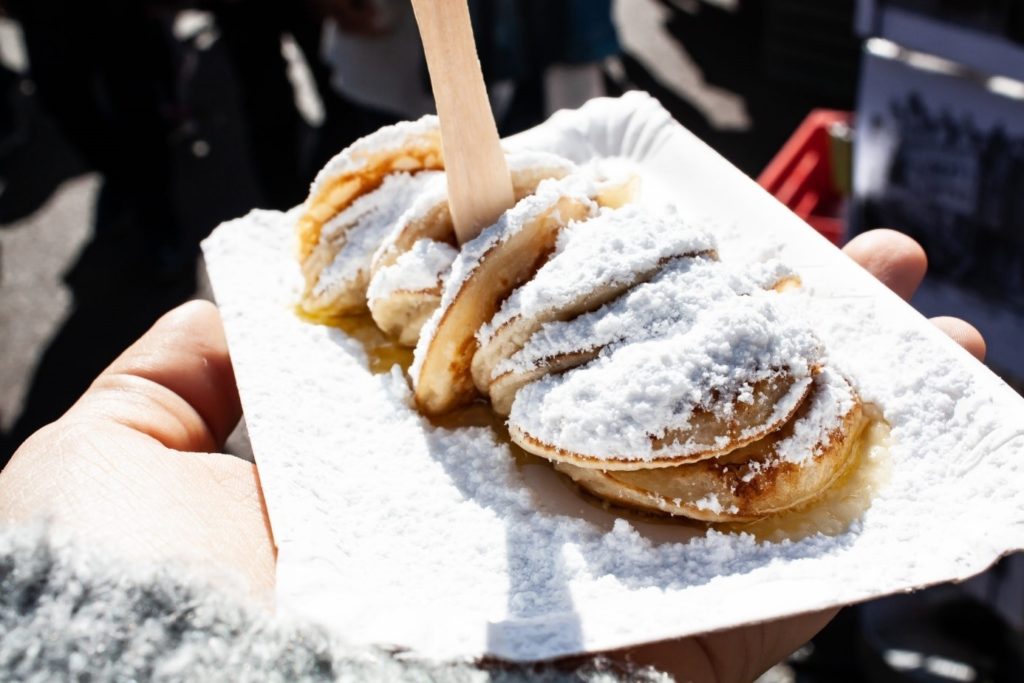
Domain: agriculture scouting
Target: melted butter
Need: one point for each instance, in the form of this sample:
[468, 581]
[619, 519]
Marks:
[382, 351]
[844, 502]
[832, 513]
[479, 414]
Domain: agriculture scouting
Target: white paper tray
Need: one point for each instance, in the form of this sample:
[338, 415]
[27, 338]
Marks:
[394, 533]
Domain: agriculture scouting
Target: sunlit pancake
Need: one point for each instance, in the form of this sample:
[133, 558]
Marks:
[409, 147]
[594, 262]
[430, 218]
[487, 269]
[402, 295]
[787, 468]
[671, 300]
[731, 376]
[401, 310]
[337, 271]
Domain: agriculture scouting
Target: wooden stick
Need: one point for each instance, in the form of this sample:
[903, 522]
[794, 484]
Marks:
[479, 185]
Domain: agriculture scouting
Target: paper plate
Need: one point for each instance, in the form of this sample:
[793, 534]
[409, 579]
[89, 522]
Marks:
[394, 532]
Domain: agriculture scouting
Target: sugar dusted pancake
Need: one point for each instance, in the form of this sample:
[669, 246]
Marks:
[785, 469]
[337, 271]
[671, 300]
[486, 270]
[494, 264]
[617, 182]
[404, 294]
[401, 301]
[594, 262]
[736, 373]
[409, 147]
[430, 218]
[618, 345]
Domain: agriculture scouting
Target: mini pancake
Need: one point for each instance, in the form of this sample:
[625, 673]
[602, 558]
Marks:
[677, 293]
[735, 374]
[487, 269]
[409, 147]
[337, 271]
[403, 311]
[787, 468]
[594, 262]
[430, 218]
[670, 300]
[402, 295]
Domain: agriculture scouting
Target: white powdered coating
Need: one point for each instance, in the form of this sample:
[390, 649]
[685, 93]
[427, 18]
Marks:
[830, 401]
[527, 160]
[549, 192]
[436, 192]
[672, 298]
[610, 170]
[608, 250]
[613, 406]
[423, 267]
[526, 210]
[368, 220]
[768, 273]
[353, 157]
[709, 502]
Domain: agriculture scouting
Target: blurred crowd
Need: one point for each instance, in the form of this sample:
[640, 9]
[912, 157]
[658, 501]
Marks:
[115, 78]
[195, 111]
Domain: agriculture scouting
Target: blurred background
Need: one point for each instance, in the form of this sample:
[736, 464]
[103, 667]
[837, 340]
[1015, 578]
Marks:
[129, 129]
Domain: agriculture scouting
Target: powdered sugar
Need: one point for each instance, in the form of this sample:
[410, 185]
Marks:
[709, 503]
[435, 194]
[423, 267]
[830, 401]
[521, 161]
[366, 222]
[548, 194]
[671, 299]
[432, 195]
[611, 249]
[389, 138]
[768, 273]
[614, 406]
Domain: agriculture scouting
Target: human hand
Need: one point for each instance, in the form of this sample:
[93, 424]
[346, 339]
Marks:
[128, 469]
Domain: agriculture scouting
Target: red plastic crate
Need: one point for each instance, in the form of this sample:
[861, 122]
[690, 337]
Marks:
[803, 173]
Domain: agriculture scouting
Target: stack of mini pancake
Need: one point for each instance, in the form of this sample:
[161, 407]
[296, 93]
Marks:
[619, 345]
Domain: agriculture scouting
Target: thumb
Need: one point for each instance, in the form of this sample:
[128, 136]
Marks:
[175, 384]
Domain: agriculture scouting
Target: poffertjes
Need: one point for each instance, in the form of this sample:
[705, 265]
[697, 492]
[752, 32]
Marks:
[411, 264]
[619, 345]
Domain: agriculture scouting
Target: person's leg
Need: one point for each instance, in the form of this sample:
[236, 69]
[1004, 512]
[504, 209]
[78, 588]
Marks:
[59, 37]
[139, 95]
[251, 32]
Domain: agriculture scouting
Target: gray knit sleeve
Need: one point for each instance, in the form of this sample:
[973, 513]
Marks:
[66, 614]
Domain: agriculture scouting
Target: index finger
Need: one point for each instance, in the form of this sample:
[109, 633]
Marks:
[892, 257]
